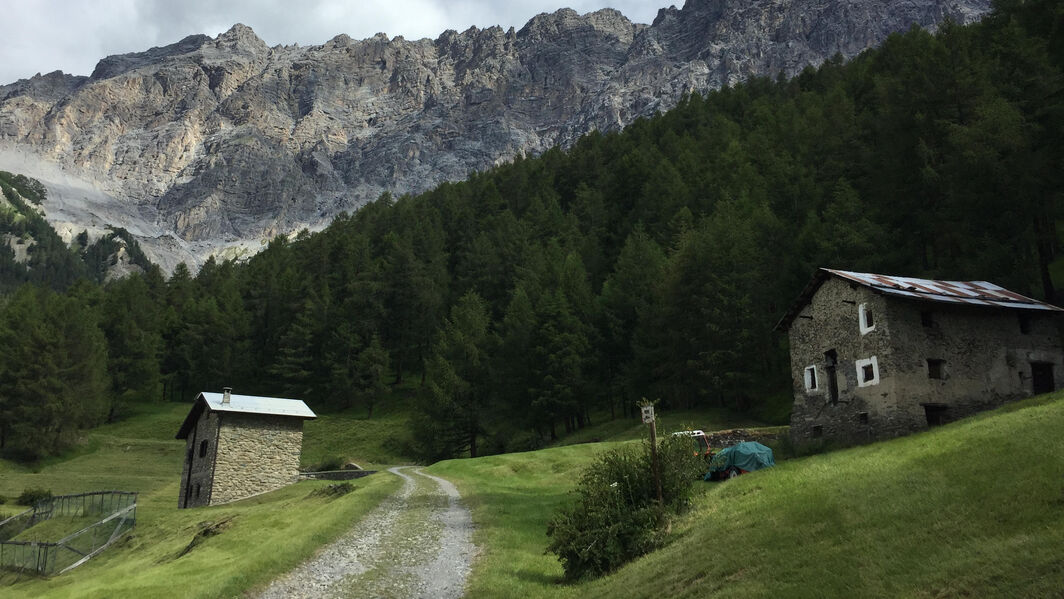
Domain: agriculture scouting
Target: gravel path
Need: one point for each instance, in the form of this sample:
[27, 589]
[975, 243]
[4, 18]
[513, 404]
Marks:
[417, 543]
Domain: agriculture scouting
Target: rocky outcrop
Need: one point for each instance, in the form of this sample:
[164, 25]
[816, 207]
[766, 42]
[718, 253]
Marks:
[208, 141]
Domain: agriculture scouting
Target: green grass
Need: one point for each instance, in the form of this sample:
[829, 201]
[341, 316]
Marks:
[262, 537]
[352, 436]
[975, 508]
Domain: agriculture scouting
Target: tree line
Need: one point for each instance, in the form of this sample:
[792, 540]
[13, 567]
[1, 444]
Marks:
[652, 262]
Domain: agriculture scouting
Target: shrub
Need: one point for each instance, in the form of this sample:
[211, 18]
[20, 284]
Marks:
[617, 517]
[31, 497]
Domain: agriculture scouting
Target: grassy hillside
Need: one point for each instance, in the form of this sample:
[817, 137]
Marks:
[975, 508]
[224, 544]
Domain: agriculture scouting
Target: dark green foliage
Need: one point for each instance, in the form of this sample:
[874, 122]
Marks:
[53, 371]
[617, 517]
[32, 497]
[29, 188]
[650, 262]
[452, 409]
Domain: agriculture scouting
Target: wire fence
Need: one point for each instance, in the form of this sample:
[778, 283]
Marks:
[117, 513]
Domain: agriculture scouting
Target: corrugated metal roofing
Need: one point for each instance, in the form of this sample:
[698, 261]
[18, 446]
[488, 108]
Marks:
[977, 293]
[246, 404]
[972, 293]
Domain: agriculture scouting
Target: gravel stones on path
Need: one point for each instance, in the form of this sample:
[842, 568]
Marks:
[417, 543]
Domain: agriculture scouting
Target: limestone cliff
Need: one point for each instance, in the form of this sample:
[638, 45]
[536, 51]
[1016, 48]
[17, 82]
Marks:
[212, 141]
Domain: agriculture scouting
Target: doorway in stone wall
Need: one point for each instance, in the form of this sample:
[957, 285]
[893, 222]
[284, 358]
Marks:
[1042, 377]
[937, 414]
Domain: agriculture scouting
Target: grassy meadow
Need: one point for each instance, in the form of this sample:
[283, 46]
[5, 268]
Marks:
[975, 508]
[225, 549]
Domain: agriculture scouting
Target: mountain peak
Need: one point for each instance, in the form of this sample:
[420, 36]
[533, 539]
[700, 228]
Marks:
[242, 37]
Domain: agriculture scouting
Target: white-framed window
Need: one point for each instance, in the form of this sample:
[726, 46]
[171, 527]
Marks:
[811, 383]
[865, 319]
[867, 372]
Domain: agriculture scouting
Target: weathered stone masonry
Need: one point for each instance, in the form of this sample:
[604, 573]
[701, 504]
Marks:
[868, 365]
[238, 446]
[256, 454]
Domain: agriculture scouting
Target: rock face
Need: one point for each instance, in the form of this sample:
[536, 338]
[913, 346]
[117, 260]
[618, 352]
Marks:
[213, 141]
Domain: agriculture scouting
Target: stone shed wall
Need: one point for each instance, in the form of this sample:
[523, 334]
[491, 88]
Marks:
[256, 453]
[196, 488]
[984, 356]
[831, 322]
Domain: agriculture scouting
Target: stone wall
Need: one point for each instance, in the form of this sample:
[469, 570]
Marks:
[256, 453]
[196, 475]
[927, 357]
[831, 322]
[984, 356]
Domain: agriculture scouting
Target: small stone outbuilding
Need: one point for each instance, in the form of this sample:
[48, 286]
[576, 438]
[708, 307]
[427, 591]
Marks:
[240, 445]
[875, 356]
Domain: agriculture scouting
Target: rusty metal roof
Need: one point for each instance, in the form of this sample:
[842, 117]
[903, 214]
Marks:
[244, 404]
[971, 293]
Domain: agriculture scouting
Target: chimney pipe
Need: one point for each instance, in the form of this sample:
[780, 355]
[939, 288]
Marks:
[226, 393]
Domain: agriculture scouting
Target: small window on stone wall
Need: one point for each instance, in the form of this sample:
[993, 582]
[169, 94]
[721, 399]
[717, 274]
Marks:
[862, 417]
[867, 322]
[867, 372]
[1025, 323]
[936, 369]
[818, 431]
[810, 379]
[927, 318]
[203, 449]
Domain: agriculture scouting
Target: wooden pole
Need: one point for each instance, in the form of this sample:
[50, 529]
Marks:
[654, 457]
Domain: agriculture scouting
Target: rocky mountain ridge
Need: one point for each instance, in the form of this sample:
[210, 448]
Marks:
[221, 141]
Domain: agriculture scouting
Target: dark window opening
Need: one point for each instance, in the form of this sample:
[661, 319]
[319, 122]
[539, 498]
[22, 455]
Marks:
[831, 358]
[1025, 322]
[868, 322]
[937, 414]
[936, 369]
[927, 318]
[863, 417]
[868, 373]
[818, 431]
[1042, 377]
[203, 449]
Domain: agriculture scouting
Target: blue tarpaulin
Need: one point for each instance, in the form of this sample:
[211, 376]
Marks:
[748, 456]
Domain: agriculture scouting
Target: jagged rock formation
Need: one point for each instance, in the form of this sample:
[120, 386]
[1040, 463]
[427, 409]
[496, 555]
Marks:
[208, 141]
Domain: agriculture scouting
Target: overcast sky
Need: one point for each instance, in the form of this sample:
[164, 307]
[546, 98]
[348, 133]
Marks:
[40, 36]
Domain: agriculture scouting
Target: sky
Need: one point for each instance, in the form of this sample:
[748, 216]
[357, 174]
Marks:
[40, 36]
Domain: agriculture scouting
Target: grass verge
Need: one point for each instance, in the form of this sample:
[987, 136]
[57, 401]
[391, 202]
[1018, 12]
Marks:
[975, 508]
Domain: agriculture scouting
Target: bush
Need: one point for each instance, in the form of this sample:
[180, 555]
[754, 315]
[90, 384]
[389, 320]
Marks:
[30, 497]
[617, 516]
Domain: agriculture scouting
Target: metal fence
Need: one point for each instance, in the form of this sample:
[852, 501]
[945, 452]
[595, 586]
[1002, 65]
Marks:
[117, 511]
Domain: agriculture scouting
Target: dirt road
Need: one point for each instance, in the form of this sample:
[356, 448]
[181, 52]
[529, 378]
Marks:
[417, 543]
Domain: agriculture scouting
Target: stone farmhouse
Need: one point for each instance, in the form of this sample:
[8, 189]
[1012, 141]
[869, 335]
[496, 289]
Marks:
[876, 356]
[239, 445]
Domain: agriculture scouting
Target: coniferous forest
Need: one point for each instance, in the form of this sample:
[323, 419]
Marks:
[653, 262]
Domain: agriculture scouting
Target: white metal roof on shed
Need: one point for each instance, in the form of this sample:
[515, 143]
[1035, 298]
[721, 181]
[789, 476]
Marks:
[252, 404]
[244, 404]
